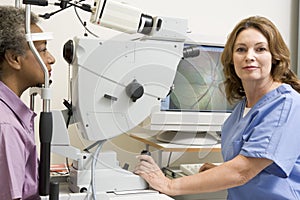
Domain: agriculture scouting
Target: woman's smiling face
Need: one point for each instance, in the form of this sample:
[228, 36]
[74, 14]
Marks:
[252, 58]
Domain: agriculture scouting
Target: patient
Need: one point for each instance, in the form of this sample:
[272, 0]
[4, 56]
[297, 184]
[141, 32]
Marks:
[19, 70]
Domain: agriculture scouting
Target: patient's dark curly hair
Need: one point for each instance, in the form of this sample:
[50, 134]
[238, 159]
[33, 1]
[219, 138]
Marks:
[12, 30]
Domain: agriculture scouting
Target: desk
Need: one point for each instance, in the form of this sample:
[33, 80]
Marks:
[65, 194]
[150, 140]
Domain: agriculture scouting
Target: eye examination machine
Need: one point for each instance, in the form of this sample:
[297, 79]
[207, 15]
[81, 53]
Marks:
[115, 85]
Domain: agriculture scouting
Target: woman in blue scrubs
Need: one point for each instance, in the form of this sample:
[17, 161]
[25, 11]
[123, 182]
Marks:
[261, 138]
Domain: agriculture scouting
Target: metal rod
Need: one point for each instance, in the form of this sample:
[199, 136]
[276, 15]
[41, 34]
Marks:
[46, 102]
[32, 102]
[17, 4]
[46, 124]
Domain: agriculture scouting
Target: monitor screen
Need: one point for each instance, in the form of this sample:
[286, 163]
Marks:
[196, 108]
[198, 84]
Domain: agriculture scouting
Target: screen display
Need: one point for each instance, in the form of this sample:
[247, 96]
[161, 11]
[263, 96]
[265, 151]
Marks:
[198, 84]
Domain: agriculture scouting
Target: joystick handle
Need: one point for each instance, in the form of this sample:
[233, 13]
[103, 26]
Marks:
[146, 152]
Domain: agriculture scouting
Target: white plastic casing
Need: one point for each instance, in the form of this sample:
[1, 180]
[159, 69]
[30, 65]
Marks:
[105, 68]
[117, 16]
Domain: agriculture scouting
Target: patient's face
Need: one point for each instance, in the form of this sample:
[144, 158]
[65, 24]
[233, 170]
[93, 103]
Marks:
[31, 70]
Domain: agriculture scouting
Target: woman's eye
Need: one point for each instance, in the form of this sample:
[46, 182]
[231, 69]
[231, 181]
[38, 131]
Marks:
[240, 49]
[261, 49]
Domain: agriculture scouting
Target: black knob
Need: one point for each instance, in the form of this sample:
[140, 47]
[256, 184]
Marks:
[146, 152]
[134, 90]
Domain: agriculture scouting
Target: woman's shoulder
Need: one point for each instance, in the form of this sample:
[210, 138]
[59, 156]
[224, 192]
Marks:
[288, 93]
[286, 88]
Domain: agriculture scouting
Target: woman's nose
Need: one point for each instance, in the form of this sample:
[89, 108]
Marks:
[250, 56]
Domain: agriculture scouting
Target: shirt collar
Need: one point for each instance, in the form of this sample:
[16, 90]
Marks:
[17, 106]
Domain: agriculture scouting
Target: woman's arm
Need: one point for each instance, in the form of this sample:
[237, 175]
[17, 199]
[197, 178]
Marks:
[235, 172]
[206, 166]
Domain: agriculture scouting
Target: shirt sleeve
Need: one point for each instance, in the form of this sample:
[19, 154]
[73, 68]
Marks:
[12, 167]
[274, 134]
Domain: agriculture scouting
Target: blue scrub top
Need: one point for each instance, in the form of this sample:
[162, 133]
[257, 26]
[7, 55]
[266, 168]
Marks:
[271, 129]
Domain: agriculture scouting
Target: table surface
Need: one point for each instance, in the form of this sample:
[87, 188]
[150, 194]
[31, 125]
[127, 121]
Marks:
[65, 194]
[151, 140]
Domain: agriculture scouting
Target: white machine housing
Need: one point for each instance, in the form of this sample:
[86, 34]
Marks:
[122, 17]
[188, 121]
[103, 69]
[102, 108]
[107, 14]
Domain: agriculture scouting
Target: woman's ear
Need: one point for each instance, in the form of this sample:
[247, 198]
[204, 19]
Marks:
[13, 59]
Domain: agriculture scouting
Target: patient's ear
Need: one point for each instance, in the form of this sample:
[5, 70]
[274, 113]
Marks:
[13, 59]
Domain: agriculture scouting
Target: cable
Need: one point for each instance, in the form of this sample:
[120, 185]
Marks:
[67, 165]
[84, 23]
[94, 162]
[48, 15]
[66, 4]
[169, 159]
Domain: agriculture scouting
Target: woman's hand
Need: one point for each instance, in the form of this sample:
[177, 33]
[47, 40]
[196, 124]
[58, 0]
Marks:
[206, 166]
[150, 171]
